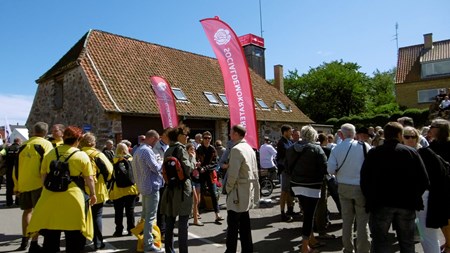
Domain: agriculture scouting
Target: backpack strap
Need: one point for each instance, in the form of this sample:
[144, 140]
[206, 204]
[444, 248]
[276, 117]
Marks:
[71, 155]
[40, 150]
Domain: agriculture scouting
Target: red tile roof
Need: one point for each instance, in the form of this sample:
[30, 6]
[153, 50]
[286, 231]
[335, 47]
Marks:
[410, 58]
[119, 68]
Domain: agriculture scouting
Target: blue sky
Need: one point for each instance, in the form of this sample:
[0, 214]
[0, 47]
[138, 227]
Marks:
[298, 34]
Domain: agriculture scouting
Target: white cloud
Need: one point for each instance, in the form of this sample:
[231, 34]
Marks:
[15, 108]
[324, 53]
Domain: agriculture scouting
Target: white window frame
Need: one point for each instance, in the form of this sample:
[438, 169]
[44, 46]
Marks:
[178, 96]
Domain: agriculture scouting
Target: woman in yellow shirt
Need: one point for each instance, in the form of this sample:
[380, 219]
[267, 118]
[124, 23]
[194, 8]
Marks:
[103, 170]
[123, 191]
[69, 210]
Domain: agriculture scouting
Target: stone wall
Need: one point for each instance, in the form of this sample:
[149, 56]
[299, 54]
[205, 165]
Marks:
[80, 106]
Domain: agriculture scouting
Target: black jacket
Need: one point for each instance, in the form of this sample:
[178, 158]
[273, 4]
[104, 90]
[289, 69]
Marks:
[393, 175]
[307, 164]
[438, 198]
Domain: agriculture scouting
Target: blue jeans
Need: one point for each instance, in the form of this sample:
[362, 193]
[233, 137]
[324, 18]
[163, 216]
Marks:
[380, 221]
[182, 234]
[97, 215]
[149, 209]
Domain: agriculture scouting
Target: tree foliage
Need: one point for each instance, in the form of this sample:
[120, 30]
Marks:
[338, 89]
[334, 89]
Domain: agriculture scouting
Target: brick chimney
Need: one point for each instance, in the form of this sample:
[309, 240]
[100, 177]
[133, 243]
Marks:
[278, 77]
[428, 41]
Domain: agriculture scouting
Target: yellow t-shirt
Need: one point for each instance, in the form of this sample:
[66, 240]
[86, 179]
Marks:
[56, 143]
[101, 191]
[30, 164]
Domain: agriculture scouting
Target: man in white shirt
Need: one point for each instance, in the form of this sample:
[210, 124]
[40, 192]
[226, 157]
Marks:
[267, 154]
[345, 162]
[445, 104]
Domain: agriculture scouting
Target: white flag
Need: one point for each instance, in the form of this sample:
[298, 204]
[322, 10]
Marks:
[7, 131]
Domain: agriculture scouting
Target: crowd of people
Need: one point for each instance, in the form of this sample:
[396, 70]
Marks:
[379, 178]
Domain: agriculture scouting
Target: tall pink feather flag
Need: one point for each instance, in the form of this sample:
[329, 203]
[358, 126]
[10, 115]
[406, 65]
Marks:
[236, 77]
[166, 101]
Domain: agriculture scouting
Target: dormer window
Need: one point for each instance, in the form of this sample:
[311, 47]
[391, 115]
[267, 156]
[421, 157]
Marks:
[223, 97]
[281, 105]
[211, 98]
[179, 94]
[262, 103]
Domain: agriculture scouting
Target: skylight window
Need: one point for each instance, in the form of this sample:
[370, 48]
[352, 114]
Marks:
[179, 94]
[281, 105]
[224, 99]
[211, 98]
[262, 103]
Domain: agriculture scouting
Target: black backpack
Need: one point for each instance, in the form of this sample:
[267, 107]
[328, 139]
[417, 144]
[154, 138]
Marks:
[123, 174]
[101, 166]
[58, 179]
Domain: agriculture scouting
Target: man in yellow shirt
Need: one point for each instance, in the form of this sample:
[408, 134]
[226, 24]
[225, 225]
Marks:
[27, 178]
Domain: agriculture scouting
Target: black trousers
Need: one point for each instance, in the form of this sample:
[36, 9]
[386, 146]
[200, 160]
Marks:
[309, 206]
[239, 223]
[75, 241]
[9, 186]
[128, 203]
[160, 218]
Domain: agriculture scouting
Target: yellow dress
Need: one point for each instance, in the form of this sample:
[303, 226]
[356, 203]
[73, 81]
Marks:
[117, 192]
[67, 210]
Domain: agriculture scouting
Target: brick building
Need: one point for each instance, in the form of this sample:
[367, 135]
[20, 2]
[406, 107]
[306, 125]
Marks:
[102, 85]
[423, 71]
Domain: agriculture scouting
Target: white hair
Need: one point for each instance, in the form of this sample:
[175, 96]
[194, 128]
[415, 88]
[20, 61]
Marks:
[309, 134]
[348, 130]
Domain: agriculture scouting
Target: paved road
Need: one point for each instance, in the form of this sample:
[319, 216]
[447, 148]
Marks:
[269, 234]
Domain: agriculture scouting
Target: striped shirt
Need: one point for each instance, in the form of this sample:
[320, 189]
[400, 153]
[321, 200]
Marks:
[147, 170]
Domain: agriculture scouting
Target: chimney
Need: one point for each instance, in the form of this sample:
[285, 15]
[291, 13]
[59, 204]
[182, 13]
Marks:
[428, 41]
[254, 53]
[278, 77]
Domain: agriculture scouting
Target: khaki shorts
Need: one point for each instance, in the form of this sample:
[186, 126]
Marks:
[28, 200]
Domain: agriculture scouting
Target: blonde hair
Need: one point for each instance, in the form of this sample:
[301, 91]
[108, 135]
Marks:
[88, 140]
[122, 149]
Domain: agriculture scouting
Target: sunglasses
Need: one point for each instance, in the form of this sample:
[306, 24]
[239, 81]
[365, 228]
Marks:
[207, 138]
[409, 137]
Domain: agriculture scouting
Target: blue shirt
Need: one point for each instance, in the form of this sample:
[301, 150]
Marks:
[147, 170]
[349, 173]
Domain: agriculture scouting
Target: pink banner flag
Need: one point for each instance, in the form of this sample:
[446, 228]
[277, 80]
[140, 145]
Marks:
[236, 77]
[166, 102]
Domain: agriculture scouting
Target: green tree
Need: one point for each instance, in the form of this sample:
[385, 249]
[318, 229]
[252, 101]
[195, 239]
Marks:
[381, 90]
[334, 89]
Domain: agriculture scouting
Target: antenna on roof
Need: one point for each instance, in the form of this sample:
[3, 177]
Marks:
[396, 34]
[260, 19]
